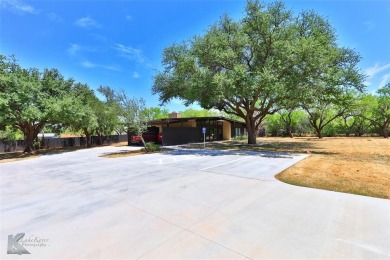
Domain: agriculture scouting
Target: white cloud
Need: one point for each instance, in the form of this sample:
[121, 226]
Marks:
[385, 79]
[99, 38]
[372, 71]
[89, 65]
[76, 49]
[18, 6]
[73, 49]
[130, 52]
[111, 67]
[55, 17]
[87, 22]
[369, 25]
[136, 75]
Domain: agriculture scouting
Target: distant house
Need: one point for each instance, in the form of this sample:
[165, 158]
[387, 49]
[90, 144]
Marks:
[46, 135]
[176, 130]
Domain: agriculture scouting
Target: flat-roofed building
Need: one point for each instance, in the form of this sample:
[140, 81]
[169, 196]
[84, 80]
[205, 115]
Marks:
[177, 130]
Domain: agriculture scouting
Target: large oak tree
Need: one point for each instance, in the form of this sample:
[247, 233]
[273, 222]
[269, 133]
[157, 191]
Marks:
[247, 68]
[30, 99]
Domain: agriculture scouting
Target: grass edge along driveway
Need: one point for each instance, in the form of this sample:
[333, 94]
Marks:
[356, 165]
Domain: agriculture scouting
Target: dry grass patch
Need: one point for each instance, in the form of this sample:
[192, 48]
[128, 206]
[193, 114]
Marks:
[353, 165]
[16, 156]
[358, 165]
[120, 144]
[123, 154]
[149, 148]
[130, 153]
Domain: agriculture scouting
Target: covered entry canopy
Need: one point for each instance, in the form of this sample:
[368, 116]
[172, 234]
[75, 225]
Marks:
[189, 130]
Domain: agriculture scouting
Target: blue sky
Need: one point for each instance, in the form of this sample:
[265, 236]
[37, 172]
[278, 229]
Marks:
[120, 43]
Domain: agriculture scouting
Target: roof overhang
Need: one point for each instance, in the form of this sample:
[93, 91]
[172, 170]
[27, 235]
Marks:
[186, 119]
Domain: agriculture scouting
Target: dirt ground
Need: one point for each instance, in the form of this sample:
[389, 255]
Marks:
[17, 156]
[358, 165]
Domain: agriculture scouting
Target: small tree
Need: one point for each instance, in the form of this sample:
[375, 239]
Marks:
[154, 113]
[111, 112]
[81, 114]
[289, 118]
[351, 123]
[107, 119]
[133, 115]
[322, 114]
[303, 126]
[10, 134]
[199, 113]
[287, 122]
[332, 96]
[273, 125]
[378, 109]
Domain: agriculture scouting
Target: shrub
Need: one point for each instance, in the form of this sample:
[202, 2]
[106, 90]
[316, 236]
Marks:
[241, 137]
[37, 145]
[152, 147]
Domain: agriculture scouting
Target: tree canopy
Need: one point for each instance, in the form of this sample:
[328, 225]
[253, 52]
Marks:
[199, 113]
[376, 109]
[154, 113]
[30, 99]
[249, 67]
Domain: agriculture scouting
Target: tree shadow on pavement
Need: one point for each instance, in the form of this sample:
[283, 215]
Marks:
[13, 156]
[214, 152]
[284, 147]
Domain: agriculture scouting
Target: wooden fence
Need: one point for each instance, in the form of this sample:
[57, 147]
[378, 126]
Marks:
[48, 143]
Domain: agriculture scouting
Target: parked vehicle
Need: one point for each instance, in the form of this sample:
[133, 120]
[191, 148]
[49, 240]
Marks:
[136, 139]
[151, 135]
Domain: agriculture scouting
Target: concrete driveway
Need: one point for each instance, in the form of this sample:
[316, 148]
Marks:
[181, 204]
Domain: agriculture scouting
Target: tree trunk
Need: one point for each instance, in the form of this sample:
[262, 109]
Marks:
[30, 133]
[143, 141]
[128, 138]
[252, 131]
[347, 133]
[289, 131]
[288, 123]
[29, 142]
[384, 131]
[319, 132]
[347, 127]
[88, 137]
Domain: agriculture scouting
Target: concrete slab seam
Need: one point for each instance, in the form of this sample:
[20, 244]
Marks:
[223, 163]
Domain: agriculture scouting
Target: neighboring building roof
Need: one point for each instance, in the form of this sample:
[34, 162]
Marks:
[185, 119]
[47, 135]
